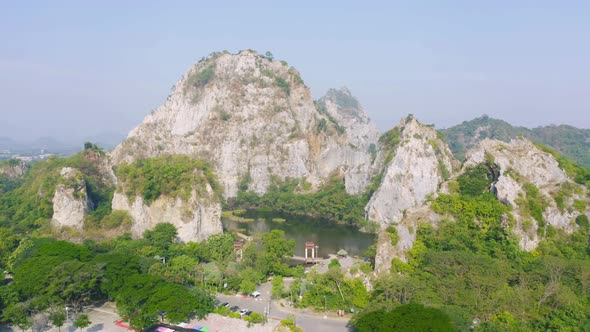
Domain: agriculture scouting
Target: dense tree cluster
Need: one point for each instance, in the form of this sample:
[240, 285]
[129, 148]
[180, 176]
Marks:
[472, 269]
[30, 206]
[143, 276]
[51, 274]
[8, 183]
[407, 317]
[331, 202]
[465, 273]
[169, 175]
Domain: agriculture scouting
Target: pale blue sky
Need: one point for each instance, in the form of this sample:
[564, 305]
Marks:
[73, 69]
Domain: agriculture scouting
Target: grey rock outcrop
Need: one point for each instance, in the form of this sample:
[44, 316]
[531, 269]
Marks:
[14, 169]
[418, 165]
[522, 156]
[520, 163]
[70, 201]
[406, 231]
[358, 157]
[195, 219]
[251, 118]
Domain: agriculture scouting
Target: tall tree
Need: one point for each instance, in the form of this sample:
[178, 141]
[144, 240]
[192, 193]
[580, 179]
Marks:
[82, 321]
[57, 317]
[276, 247]
[162, 236]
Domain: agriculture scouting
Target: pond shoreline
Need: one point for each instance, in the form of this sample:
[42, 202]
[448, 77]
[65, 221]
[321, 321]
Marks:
[329, 236]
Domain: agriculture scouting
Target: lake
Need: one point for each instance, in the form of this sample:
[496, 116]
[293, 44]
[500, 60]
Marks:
[330, 237]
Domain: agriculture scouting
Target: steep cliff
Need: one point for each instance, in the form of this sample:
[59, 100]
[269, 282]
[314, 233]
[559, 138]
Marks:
[195, 219]
[251, 118]
[70, 202]
[416, 163]
[532, 182]
[174, 189]
[358, 158]
[13, 168]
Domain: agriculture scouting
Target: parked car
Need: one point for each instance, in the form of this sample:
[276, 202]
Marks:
[243, 312]
[255, 294]
[234, 308]
[217, 303]
[225, 304]
[248, 313]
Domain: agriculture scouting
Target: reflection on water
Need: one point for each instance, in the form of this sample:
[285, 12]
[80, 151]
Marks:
[328, 236]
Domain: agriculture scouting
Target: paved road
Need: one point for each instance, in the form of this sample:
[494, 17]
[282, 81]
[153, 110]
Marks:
[104, 318]
[308, 321]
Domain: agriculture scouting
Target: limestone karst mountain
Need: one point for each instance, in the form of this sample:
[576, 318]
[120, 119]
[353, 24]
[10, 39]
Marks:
[417, 161]
[253, 119]
[525, 170]
[362, 134]
[239, 122]
[541, 198]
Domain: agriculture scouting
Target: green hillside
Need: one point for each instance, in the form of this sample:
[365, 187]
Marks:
[572, 142]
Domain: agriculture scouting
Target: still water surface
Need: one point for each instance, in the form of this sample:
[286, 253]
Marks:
[330, 237]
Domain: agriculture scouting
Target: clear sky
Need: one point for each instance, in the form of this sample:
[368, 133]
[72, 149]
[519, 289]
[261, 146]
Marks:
[74, 69]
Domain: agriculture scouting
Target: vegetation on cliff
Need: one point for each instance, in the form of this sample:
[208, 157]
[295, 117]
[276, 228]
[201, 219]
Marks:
[30, 205]
[292, 197]
[571, 142]
[172, 176]
[472, 269]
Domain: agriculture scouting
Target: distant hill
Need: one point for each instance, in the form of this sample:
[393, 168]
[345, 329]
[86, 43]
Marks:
[569, 141]
[51, 144]
[8, 143]
[105, 140]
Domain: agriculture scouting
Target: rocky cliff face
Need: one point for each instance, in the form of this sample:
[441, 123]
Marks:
[252, 118]
[70, 202]
[417, 164]
[14, 169]
[358, 158]
[406, 233]
[525, 173]
[195, 219]
[524, 167]
[571, 142]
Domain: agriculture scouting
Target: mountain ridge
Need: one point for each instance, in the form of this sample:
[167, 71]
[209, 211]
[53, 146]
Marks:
[568, 140]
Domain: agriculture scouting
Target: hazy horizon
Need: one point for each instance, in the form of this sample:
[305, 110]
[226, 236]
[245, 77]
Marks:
[73, 70]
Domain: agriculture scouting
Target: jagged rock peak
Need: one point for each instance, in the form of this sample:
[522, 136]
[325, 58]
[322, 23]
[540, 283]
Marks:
[416, 163]
[360, 156]
[346, 106]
